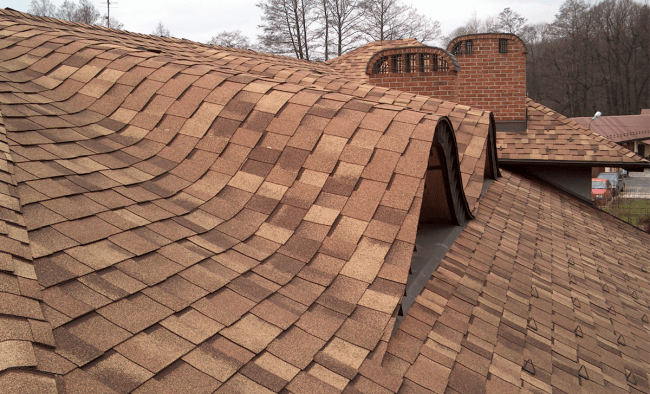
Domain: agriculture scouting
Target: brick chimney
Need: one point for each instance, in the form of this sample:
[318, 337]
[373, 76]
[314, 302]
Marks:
[492, 76]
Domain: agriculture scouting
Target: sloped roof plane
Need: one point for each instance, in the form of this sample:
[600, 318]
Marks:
[186, 218]
[619, 128]
[182, 218]
[553, 138]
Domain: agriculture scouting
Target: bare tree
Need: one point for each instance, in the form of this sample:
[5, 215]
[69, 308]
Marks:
[422, 28]
[115, 24]
[383, 19]
[510, 22]
[161, 30]
[323, 15]
[391, 20]
[87, 13]
[473, 25]
[570, 60]
[67, 11]
[230, 39]
[82, 12]
[288, 27]
[42, 8]
[345, 17]
[621, 51]
[536, 38]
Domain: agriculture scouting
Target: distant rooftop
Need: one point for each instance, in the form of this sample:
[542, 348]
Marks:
[621, 128]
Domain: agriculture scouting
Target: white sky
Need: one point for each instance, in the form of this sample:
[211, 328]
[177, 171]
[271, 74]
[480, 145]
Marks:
[198, 20]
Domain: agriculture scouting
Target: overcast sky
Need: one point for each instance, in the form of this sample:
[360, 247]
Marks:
[198, 20]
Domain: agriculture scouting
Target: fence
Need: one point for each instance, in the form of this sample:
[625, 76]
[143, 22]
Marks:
[634, 210]
[636, 192]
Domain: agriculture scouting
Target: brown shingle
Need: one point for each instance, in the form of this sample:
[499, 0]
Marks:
[219, 358]
[154, 349]
[191, 325]
[135, 313]
[211, 219]
[86, 230]
[99, 255]
[47, 241]
[552, 136]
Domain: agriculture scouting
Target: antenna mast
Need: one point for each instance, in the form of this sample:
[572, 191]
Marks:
[108, 12]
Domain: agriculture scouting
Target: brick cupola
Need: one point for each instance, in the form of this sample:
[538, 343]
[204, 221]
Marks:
[492, 76]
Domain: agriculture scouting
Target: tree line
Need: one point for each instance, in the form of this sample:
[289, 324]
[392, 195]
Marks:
[592, 57]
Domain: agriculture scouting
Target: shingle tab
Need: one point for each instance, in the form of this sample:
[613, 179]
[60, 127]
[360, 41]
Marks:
[550, 136]
[210, 219]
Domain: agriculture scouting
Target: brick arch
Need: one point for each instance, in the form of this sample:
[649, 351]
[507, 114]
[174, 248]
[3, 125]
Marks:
[450, 62]
[439, 81]
[512, 37]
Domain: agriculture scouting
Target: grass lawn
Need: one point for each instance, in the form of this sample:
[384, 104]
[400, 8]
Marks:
[631, 210]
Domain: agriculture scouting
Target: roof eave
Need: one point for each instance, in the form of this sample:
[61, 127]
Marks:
[574, 163]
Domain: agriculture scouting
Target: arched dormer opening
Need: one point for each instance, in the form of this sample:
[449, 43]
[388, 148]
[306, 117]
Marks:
[443, 200]
[421, 70]
[444, 213]
[471, 44]
[491, 159]
[409, 60]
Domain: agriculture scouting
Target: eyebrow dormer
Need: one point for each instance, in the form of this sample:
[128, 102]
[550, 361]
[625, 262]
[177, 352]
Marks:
[419, 69]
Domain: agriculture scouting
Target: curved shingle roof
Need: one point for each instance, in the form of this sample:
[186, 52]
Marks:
[191, 218]
[182, 218]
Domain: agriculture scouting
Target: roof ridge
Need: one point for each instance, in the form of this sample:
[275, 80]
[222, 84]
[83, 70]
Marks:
[77, 25]
[315, 77]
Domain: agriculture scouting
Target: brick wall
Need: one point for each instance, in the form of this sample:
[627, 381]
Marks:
[484, 79]
[491, 80]
[439, 85]
[401, 69]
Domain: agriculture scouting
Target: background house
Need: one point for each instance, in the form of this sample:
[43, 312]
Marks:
[629, 131]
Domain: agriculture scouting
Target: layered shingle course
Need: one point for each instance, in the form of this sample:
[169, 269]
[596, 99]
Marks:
[26, 339]
[191, 208]
[552, 137]
[187, 218]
